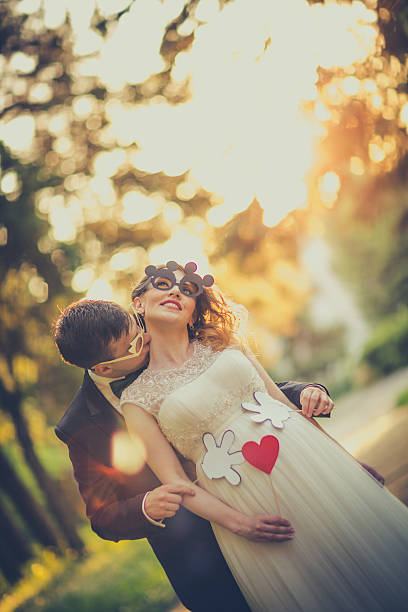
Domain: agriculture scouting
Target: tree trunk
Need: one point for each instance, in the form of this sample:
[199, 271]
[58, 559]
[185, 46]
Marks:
[54, 495]
[14, 549]
[32, 513]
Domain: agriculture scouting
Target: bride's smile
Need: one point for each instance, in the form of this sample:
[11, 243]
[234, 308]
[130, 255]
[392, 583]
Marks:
[172, 304]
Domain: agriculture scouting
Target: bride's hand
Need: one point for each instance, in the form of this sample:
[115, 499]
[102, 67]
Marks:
[265, 528]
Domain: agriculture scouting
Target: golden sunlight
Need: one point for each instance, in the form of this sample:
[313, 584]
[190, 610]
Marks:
[254, 120]
[18, 133]
[128, 454]
[239, 143]
[101, 289]
[186, 244]
[138, 208]
[329, 185]
[82, 279]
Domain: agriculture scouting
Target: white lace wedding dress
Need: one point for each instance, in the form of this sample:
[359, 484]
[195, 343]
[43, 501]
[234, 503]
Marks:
[350, 551]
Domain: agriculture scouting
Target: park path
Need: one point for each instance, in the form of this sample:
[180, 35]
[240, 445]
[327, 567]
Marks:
[369, 426]
[359, 413]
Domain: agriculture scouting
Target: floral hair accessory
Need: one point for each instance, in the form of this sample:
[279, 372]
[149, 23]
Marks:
[191, 284]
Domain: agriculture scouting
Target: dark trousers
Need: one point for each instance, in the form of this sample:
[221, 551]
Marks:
[190, 556]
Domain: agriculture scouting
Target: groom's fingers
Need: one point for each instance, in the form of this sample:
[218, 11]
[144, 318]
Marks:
[179, 489]
[310, 398]
[164, 501]
[315, 401]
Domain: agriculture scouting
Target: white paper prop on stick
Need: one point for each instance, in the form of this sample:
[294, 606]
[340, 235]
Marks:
[218, 460]
[267, 409]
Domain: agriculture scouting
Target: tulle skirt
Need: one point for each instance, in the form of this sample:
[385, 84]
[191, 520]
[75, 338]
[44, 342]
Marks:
[350, 550]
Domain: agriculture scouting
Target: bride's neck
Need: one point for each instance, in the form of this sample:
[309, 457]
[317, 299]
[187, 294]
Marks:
[169, 347]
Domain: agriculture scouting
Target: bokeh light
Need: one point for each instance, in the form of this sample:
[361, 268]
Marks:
[101, 289]
[128, 454]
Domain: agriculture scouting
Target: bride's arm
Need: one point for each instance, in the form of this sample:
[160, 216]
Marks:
[164, 462]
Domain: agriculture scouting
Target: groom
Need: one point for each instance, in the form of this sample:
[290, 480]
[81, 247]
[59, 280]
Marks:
[104, 339]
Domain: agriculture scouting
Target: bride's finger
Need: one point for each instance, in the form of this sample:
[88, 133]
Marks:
[267, 528]
[283, 538]
[275, 520]
[276, 529]
[276, 537]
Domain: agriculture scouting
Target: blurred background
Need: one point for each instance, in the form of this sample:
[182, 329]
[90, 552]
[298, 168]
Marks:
[265, 140]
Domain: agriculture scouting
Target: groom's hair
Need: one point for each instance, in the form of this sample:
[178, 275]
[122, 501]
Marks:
[84, 330]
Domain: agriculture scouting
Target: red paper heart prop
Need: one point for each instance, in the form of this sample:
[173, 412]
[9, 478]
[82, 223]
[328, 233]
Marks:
[263, 455]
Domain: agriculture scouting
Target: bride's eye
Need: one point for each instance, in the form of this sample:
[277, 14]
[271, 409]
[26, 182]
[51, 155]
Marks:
[162, 283]
[189, 288]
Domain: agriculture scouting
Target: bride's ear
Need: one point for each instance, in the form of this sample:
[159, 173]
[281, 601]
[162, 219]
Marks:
[138, 305]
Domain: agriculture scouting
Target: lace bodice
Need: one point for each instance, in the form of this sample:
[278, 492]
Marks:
[152, 386]
[203, 395]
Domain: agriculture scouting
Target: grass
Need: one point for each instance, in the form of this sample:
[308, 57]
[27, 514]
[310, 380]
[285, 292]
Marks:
[122, 577]
[402, 399]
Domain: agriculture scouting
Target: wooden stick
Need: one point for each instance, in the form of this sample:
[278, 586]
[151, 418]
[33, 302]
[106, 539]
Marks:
[276, 498]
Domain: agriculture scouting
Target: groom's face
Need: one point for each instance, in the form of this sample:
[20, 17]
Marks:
[121, 351]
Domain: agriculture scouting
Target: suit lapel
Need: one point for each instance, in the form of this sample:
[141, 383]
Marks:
[101, 412]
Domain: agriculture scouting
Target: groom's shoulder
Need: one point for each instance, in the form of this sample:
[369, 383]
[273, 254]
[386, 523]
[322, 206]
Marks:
[77, 414]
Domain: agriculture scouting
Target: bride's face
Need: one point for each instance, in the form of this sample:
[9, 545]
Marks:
[166, 303]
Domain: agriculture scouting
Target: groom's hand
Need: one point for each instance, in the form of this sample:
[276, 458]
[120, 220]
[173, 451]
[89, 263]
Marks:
[373, 472]
[164, 501]
[314, 401]
[266, 528]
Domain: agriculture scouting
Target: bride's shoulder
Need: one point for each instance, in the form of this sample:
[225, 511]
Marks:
[242, 349]
[235, 346]
[205, 353]
[239, 347]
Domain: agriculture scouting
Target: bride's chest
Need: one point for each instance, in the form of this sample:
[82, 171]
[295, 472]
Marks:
[217, 389]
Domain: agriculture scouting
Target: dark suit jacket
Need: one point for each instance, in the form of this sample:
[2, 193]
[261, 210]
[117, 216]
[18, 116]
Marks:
[186, 548]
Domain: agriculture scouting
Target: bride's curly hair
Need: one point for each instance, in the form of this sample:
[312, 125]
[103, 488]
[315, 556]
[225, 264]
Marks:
[217, 319]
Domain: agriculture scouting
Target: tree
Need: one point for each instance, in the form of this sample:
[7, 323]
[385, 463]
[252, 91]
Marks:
[368, 231]
[34, 516]
[14, 549]
[25, 323]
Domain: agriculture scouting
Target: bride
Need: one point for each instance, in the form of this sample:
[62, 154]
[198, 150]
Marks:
[257, 455]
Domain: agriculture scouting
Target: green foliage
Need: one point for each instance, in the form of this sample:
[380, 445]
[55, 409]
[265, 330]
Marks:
[124, 576]
[368, 232]
[387, 350]
[402, 399]
[314, 354]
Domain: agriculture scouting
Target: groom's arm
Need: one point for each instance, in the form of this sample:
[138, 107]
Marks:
[312, 398]
[114, 500]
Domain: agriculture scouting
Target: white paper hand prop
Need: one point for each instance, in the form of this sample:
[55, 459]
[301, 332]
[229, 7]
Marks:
[268, 409]
[217, 461]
